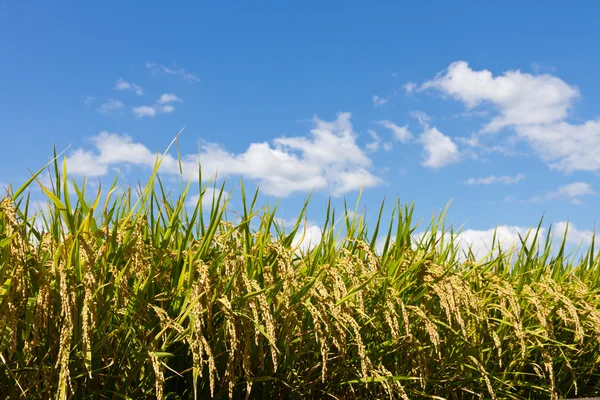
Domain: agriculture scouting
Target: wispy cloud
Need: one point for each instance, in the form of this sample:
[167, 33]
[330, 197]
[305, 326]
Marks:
[88, 100]
[168, 98]
[542, 68]
[505, 179]
[110, 106]
[421, 117]
[124, 85]
[179, 72]
[374, 145]
[572, 192]
[379, 101]
[162, 105]
[144, 111]
[401, 133]
[410, 87]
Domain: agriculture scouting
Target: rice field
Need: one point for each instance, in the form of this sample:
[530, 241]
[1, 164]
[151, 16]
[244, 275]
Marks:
[127, 292]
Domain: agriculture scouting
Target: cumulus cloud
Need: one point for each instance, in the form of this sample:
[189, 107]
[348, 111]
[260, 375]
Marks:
[440, 150]
[179, 72]
[505, 179]
[327, 159]
[520, 98]
[110, 106]
[308, 235]
[535, 106]
[507, 237]
[575, 236]
[124, 85]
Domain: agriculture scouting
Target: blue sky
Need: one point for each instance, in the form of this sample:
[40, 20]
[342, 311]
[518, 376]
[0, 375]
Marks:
[492, 106]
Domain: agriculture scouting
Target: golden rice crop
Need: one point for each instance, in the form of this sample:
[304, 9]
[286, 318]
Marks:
[116, 295]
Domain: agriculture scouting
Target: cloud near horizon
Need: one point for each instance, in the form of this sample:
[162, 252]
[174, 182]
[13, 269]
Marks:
[327, 159]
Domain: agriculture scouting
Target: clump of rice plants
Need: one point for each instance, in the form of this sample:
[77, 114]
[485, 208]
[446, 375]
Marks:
[125, 294]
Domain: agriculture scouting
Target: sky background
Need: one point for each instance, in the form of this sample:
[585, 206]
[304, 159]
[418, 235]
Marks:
[494, 106]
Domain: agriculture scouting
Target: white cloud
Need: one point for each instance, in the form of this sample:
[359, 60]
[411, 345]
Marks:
[168, 98]
[541, 68]
[88, 100]
[379, 101]
[440, 149]
[480, 241]
[421, 117]
[536, 106]
[307, 236]
[110, 106]
[505, 179]
[328, 159]
[124, 85]
[410, 87]
[162, 105]
[507, 237]
[144, 111]
[573, 191]
[82, 162]
[401, 133]
[566, 147]
[374, 145]
[180, 72]
[111, 150]
[574, 236]
[520, 98]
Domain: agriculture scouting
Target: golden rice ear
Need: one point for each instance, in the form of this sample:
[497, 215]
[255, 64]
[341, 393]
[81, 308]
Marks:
[141, 297]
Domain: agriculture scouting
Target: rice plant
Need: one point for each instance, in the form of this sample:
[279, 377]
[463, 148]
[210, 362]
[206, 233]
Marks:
[128, 293]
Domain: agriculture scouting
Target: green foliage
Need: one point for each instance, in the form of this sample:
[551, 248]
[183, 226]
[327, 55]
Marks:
[131, 294]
